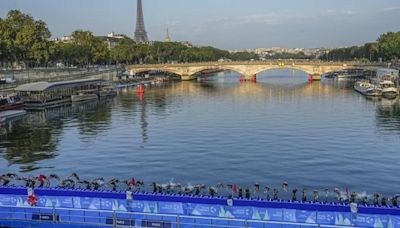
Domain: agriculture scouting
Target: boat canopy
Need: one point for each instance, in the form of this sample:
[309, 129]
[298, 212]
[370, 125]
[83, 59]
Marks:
[43, 86]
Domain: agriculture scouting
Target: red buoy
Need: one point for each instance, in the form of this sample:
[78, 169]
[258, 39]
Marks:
[310, 78]
[254, 78]
[141, 88]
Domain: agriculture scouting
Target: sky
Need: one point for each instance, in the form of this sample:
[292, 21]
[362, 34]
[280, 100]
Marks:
[227, 24]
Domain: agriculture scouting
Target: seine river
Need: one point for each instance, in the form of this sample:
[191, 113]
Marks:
[314, 136]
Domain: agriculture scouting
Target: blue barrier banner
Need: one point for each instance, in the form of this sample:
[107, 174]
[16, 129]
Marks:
[136, 206]
[326, 217]
[239, 212]
[289, 215]
[142, 206]
[86, 203]
[258, 214]
[343, 219]
[393, 222]
[273, 214]
[107, 204]
[122, 205]
[51, 201]
[8, 200]
[66, 202]
[206, 210]
[170, 208]
[306, 216]
[367, 220]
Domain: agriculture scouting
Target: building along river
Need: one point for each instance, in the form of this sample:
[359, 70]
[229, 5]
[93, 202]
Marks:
[314, 136]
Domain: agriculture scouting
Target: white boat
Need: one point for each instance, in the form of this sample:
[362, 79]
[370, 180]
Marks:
[107, 91]
[6, 80]
[389, 89]
[368, 89]
[84, 95]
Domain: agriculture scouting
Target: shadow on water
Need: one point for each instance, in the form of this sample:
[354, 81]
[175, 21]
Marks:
[35, 138]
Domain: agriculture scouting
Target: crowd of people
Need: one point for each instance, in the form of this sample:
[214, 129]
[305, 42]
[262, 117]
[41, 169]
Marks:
[73, 181]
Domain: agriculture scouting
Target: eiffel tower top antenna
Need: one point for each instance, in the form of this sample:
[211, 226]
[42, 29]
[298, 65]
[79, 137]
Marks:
[140, 32]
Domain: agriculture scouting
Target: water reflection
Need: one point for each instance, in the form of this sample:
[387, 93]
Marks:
[92, 118]
[388, 116]
[35, 138]
[30, 140]
[143, 117]
[340, 83]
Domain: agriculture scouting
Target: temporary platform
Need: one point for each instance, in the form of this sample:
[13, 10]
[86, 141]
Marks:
[58, 207]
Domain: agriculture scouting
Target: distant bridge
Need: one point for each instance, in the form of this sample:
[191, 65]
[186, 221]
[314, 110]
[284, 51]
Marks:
[188, 71]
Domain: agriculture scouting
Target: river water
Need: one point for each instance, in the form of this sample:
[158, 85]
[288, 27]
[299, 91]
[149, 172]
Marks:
[314, 136]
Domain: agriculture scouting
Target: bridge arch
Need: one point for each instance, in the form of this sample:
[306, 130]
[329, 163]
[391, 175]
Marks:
[307, 70]
[231, 68]
[140, 71]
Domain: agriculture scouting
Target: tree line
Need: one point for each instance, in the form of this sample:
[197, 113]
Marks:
[386, 48]
[26, 40]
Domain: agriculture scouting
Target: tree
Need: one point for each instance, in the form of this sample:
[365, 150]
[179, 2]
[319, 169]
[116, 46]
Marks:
[389, 45]
[124, 51]
[88, 49]
[24, 38]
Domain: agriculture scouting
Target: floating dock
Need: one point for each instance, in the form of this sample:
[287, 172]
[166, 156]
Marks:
[11, 114]
[58, 207]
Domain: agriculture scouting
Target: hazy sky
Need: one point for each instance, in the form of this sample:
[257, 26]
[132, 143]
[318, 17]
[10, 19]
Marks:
[229, 24]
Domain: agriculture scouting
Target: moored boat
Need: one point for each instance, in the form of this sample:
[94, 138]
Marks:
[389, 89]
[107, 91]
[10, 103]
[367, 88]
[84, 95]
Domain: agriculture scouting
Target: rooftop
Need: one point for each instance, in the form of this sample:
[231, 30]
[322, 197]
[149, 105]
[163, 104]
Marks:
[42, 86]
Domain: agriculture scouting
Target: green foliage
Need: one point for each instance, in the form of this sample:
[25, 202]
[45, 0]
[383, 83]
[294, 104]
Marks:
[243, 55]
[127, 51]
[83, 49]
[24, 39]
[389, 45]
[285, 55]
[124, 52]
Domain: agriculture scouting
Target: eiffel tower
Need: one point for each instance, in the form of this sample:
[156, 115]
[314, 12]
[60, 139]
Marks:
[140, 33]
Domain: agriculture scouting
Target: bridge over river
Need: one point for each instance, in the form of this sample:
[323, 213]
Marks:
[188, 71]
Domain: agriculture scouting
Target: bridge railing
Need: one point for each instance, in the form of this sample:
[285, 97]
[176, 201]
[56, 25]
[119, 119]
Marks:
[10, 216]
[274, 62]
